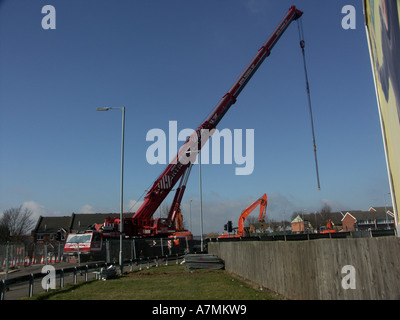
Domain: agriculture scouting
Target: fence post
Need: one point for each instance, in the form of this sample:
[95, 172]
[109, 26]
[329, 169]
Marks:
[59, 252]
[166, 259]
[86, 272]
[62, 278]
[97, 269]
[75, 275]
[108, 259]
[7, 259]
[23, 257]
[45, 253]
[133, 249]
[31, 282]
[2, 289]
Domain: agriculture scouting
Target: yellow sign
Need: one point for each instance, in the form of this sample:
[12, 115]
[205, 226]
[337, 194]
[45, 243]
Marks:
[383, 32]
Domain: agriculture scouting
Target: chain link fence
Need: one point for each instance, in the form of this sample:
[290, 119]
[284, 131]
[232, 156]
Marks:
[14, 254]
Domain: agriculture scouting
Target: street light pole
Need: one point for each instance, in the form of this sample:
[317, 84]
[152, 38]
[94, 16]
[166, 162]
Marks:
[201, 205]
[121, 261]
[191, 229]
[121, 224]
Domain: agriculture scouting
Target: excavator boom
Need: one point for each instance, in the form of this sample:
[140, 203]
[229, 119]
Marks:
[262, 202]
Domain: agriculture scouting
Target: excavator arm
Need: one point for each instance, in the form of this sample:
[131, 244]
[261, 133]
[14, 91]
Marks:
[262, 202]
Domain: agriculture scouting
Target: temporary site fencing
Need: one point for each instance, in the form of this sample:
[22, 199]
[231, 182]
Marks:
[14, 255]
[17, 255]
[133, 249]
[27, 260]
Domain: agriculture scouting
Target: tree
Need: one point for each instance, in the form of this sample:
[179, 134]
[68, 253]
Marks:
[165, 210]
[318, 218]
[164, 213]
[325, 213]
[15, 223]
[296, 213]
[250, 220]
[212, 235]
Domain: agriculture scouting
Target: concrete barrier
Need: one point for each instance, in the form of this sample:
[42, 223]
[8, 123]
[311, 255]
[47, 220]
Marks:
[358, 269]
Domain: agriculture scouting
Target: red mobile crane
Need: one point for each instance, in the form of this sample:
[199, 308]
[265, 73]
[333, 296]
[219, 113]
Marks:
[142, 223]
[262, 202]
[179, 168]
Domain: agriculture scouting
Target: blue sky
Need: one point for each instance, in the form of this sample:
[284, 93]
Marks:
[173, 61]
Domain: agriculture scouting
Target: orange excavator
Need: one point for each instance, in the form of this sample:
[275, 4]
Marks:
[328, 228]
[241, 232]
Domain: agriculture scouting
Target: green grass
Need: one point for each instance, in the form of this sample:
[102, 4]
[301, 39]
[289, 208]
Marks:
[163, 283]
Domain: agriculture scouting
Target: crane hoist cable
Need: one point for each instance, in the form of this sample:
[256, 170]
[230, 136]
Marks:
[302, 45]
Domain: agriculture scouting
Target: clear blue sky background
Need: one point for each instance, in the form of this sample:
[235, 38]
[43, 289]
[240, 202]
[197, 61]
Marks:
[173, 60]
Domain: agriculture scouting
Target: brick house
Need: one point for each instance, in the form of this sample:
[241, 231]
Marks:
[376, 218]
[46, 229]
[300, 225]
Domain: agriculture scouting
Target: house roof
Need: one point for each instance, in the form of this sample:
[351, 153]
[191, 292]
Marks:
[52, 224]
[297, 219]
[82, 221]
[74, 223]
[336, 217]
[381, 209]
[371, 214]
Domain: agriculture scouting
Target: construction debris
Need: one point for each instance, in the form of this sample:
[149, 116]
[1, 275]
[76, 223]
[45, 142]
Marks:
[109, 273]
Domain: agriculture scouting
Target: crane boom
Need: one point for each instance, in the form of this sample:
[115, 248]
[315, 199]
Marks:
[142, 219]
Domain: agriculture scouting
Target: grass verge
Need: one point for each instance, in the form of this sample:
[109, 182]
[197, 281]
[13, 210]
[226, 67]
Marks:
[163, 283]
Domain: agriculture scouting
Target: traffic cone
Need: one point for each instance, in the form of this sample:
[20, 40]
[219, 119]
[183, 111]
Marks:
[42, 260]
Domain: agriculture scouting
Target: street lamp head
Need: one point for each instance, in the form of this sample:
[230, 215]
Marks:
[103, 109]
